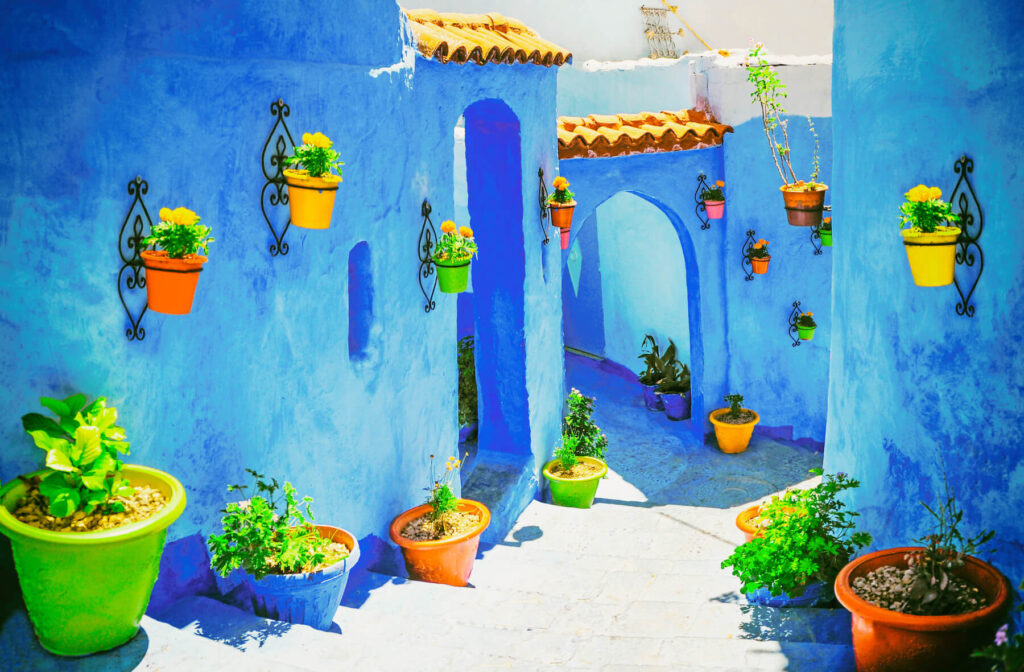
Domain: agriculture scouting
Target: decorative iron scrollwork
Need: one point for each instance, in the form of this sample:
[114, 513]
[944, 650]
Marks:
[793, 317]
[132, 275]
[542, 199]
[748, 245]
[968, 251]
[272, 162]
[701, 209]
[816, 235]
[428, 235]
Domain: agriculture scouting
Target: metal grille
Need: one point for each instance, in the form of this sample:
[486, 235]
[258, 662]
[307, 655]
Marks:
[659, 36]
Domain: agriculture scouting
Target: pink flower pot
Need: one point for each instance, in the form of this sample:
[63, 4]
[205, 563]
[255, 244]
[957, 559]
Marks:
[715, 209]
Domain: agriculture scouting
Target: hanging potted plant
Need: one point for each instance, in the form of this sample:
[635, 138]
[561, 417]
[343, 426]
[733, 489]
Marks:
[467, 389]
[654, 372]
[311, 190]
[439, 539]
[805, 326]
[826, 232]
[562, 204]
[804, 201]
[294, 571]
[759, 256]
[714, 200]
[803, 539]
[578, 467]
[452, 255]
[734, 425]
[930, 245]
[924, 607]
[172, 272]
[87, 531]
[674, 390]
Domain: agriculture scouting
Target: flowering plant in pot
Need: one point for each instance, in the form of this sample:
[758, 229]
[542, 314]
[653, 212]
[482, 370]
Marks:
[467, 389]
[805, 201]
[674, 390]
[759, 256]
[714, 200]
[806, 538]
[88, 530]
[311, 189]
[656, 365]
[578, 465]
[293, 570]
[439, 539]
[805, 326]
[734, 425]
[452, 254]
[562, 205]
[925, 607]
[1006, 652]
[930, 245]
[172, 272]
[825, 232]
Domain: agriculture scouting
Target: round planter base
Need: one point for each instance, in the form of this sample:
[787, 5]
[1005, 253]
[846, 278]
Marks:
[575, 493]
[447, 561]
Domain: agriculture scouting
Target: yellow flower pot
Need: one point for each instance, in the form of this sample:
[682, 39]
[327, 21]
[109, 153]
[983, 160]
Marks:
[733, 438]
[932, 256]
[311, 199]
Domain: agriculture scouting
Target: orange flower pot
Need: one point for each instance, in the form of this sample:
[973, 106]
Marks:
[171, 283]
[311, 199]
[760, 264]
[448, 561]
[888, 641]
[804, 208]
[745, 522]
[733, 438]
[561, 214]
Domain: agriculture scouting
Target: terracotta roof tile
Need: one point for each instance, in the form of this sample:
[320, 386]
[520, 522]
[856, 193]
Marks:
[600, 135]
[481, 38]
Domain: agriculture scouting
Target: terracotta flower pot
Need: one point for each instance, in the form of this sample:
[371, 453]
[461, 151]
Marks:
[171, 283]
[804, 208]
[561, 214]
[733, 438]
[760, 264]
[448, 561]
[745, 522]
[888, 641]
[932, 256]
[715, 209]
[311, 199]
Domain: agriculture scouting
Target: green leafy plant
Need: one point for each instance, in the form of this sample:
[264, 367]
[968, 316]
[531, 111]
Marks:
[925, 210]
[454, 245]
[826, 224]
[442, 500]
[676, 380]
[1006, 652]
[262, 538]
[714, 193]
[590, 441]
[566, 453]
[660, 366]
[467, 382]
[735, 402]
[759, 250]
[806, 320]
[179, 233]
[561, 194]
[806, 535]
[82, 446]
[316, 156]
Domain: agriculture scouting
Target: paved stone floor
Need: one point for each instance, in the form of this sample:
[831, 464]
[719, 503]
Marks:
[632, 584]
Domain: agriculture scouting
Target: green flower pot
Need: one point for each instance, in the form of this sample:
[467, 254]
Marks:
[826, 238]
[805, 333]
[86, 591]
[577, 493]
[452, 277]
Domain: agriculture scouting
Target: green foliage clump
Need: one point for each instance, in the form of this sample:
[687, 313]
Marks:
[82, 446]
[561, 195]
[1006, 652]
[442, 500]
[806, 320]
[454, 246]
[179, 233]
[806, 535]
[467, 382]
[590, 442]
[735, 402]
[316, 156]
[714, 193]
[566, 453]
[262, 539]
[925, 210]
[664, 370]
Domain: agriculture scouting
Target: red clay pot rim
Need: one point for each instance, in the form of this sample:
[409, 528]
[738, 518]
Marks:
[707, 202]
[866, 610]
[747, 515]
[570, 204]
[716, 421]
[159, 261]
[789, 189]
[402, 519]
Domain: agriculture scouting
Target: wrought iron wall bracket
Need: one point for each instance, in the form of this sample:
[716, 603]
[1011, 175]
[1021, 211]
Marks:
[748, 245]
[542, 199]
[272, 163]
[816, 235]
[701, 209]
[426, 242]
[792, 331]
[132, 275]
[968, 251]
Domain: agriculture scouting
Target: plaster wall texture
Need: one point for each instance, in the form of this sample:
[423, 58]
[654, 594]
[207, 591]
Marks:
[912, 380]
[259, 373]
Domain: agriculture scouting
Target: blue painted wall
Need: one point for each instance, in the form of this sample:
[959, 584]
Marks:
[911, 379]
[259, 374]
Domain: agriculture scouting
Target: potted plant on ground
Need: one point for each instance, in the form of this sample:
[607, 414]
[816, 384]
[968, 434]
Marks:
[826, 232]
[805, 201]
[311, 190]
[439, 539]
[294, 570]
[734, 425]
[172, 272]
[87, 531]
[805, 326]
[674, 390]
[578, 423]
[1006, 652]
[714, 200]
[562, 204]
[655, 370]
[924, 607]
[452, 255]
[759, 256]
[578, 467]
[930, 245]
[804, 538]
[467, 389]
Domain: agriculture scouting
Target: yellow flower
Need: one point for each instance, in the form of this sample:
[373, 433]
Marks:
[828, 220]
[762, 242]
[935, 193]
[723, 52]
[183, 216]
[719, 183]
[758, 245]
[560, 183]
[465, 232]
[447, 226]
[165, 214]
[918, 194]
[321, 140]
[809, 314]
[307, 138]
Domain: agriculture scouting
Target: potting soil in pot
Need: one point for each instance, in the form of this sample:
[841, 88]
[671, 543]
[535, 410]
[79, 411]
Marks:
[744, 418]
[577, 472]
[452, 524]
[888, 588]
[32, 509]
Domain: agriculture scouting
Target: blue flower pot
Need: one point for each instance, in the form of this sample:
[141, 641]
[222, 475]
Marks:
[652, 400]
[677, 406]
[309, 598]
[815, 593]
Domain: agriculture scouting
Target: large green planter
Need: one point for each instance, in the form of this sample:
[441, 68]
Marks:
[577, 493]
[86, 592]
[805, 333]
[452, 278]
